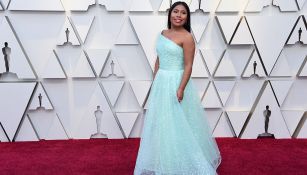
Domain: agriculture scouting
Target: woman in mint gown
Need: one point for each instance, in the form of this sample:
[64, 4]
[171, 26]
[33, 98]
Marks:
[176, 138]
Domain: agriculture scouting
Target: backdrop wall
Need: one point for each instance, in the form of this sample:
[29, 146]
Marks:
[69, 56]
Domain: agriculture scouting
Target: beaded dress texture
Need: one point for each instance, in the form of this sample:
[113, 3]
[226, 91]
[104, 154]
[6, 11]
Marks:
[176, 138]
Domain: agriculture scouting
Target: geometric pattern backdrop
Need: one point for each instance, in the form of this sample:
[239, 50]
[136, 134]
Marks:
[54, 86]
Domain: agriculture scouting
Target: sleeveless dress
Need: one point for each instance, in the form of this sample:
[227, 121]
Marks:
[176, 138]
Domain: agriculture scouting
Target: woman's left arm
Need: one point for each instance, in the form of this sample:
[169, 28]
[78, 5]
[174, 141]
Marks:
[188, 52]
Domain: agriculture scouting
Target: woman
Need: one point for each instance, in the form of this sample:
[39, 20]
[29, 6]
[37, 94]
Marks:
[176, 137]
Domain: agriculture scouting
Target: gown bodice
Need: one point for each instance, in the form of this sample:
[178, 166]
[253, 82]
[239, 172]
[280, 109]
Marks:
[170, 54]
[176, 136]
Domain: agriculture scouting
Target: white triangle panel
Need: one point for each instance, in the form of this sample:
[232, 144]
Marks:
[224, 89]
[127, 34]
[195, 5]
[286, 5]
[127, 121]
[141, 6]
[237, 119]
[201, 85]
[46, 104]
[199, 23]
[226, 67]
[52, 68]
[114, 5]
[74, 62]
[105, 28]
[281, 89]
[112, 64]
[277, 125]
[233, 62]
[14, 98]
[300, 3]
[98, 58]
[303, 72]
[136, 131]
[300, 27]
[211, 99]
[223, 127]
[303, 131]
[36, 5]
[213, 116]
[231, 6]
[77, 5]
[244, 94]
[282, 67]
[47, 125]
[26, 132]
[289, 61]
[140, 89]
[211, 57]
[205, 6]
[199, 68]
[72, 37]
[242, 35]
[228, 25]
[83, 69]
[56, 131]
[41, 121]
[296, 96]
[18, 62]
[165, 4]
[3, 137]
[5, 3]
[82, 24]
[270, 34]
[257, 5]
[249, 71]
[71, 100]
[296, 53]
[130, 101]
[113, 89]
[148, 29]
[38, 34]
[292, 118]
[110, 125]
[86, 124]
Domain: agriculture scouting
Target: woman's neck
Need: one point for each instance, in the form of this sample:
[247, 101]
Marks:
[176, 29]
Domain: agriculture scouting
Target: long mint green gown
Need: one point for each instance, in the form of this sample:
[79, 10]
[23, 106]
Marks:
[176, 138]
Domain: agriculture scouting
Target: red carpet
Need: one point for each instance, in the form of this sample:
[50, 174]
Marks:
[117, 157]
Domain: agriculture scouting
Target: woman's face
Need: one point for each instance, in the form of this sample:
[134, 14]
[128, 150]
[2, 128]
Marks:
[179, 16]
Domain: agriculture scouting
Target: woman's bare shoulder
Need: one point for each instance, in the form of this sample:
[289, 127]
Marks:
[164, 31]
[188, 38]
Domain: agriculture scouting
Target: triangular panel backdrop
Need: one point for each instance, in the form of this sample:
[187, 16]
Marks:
[82, 69]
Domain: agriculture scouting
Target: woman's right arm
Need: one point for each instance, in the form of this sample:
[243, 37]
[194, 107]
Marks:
[156, 67]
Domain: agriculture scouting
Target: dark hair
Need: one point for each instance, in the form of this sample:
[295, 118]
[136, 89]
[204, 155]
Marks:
[187, 25]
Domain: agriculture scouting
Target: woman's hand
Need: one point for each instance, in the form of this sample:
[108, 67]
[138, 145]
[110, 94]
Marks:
[179, 95]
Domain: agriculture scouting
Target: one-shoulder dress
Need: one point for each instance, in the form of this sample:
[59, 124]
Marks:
[176, 138]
